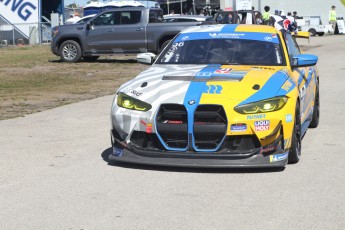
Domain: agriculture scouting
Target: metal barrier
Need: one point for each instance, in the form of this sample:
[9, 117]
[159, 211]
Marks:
[24, 34]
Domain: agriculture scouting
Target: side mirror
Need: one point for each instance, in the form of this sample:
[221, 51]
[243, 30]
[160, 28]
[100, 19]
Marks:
[146, 58]
[303, 60]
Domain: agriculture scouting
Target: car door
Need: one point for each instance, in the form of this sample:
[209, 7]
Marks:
[129, 34]
[306, 78]
[116, 32]
[98, 33]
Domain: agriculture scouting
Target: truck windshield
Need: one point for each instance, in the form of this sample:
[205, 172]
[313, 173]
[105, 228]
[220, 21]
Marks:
[222, 51]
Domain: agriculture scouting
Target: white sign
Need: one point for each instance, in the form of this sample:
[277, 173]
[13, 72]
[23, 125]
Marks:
[20, 13]
[242, 4]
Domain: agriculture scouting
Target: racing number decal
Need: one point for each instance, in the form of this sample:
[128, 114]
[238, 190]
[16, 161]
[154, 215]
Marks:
[213, 89]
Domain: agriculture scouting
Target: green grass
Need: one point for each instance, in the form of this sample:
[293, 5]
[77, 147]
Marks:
[33, 79]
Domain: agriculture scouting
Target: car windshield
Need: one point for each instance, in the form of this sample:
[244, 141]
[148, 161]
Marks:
[222, 51]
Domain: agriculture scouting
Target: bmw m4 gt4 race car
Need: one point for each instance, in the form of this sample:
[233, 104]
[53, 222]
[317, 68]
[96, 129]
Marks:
[218, 96]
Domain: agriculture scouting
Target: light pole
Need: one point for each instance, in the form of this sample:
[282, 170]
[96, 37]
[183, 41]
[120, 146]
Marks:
[181, 6]
[194, 7]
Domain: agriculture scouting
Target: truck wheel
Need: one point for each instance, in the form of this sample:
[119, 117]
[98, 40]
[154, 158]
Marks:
[320, 34]
[70, 51]
[312, 32]
[296, 138]
[164, 45]
[90, 58]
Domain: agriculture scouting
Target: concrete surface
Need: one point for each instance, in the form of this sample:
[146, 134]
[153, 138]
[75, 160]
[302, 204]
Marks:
[53, 176]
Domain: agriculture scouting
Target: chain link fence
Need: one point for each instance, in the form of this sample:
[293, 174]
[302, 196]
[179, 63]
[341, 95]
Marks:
[24, 34]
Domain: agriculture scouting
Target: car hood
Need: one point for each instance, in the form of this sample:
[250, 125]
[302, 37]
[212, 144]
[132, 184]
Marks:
[207, 83]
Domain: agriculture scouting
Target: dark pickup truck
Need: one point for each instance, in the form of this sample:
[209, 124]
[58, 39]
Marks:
[129, 30]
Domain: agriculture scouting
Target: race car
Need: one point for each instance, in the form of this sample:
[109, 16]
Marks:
[218, 96]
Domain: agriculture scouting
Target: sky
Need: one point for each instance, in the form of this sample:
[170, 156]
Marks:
[79, 2]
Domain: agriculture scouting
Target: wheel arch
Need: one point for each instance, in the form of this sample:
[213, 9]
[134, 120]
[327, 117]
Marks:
[76, 39]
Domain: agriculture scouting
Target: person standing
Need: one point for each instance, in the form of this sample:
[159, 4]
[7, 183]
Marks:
[333, 18]
[266, 15]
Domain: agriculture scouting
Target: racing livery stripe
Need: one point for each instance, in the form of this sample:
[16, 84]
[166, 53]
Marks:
[266, 91]
[228, 32]
[194, 92]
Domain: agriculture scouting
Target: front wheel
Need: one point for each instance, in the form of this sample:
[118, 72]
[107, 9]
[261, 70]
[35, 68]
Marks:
[296, 138]
[70, 51]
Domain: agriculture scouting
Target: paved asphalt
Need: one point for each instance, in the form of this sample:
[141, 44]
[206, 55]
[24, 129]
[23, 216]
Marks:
[53, 175]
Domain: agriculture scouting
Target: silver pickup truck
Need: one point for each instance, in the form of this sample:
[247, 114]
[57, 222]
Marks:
[129, 30]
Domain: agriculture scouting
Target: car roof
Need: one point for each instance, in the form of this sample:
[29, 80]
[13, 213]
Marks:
[226, 28]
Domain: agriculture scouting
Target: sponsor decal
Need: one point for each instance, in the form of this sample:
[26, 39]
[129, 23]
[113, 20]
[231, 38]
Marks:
[268, 38]
[274, 35]
[172, 122]
[288, 118]
[238, 127]
[256, 116]
[269, 149]
[225, 35]
[223, 71]
[136, 93]
[262, 125]
[191, 102]
[279, 157]
[130, 112]
[200, 123]
[185, 38]
[204, 74]
[117, 152]
[287, 85]
[212, 89]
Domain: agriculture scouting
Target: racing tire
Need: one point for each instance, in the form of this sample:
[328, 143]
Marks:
[316, 112]
[90, 58]
[164, 45]
[70, 51]
[312, 32]
[296, 138]
[320, 34]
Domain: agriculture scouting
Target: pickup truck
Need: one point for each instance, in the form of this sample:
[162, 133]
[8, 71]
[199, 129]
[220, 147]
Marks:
[128, 30]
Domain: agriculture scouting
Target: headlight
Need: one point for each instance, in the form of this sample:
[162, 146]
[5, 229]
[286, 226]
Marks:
[265, 106]
[128, 102]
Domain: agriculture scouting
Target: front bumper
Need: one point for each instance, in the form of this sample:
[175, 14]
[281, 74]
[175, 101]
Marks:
[54, 48]
[199, 159]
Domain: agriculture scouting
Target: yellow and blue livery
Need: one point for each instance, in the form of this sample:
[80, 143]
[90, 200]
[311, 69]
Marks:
[218, 96]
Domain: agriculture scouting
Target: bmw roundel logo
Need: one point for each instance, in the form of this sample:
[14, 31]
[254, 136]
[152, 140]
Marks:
[191, 102]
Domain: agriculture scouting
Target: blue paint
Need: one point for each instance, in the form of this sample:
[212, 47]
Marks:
[228, 32]
[270, 89]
